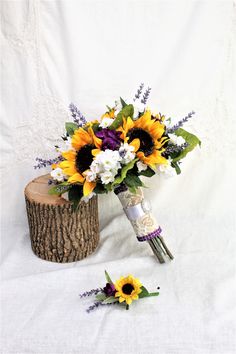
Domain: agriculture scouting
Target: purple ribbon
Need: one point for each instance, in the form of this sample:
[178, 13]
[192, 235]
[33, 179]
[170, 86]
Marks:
[152, 234]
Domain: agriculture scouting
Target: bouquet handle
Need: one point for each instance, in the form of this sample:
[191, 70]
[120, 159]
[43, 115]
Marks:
[138, 211]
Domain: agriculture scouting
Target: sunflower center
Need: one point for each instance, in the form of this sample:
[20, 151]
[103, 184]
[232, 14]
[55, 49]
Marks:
[146, 141]
[84, 158]
[127, 289]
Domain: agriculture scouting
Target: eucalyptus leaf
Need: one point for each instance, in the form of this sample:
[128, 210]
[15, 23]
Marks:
[110, 300]
[192, 141]
[124, 171]
[71, 127]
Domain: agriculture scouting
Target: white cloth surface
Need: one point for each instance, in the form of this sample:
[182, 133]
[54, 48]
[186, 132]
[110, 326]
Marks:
[90, 53]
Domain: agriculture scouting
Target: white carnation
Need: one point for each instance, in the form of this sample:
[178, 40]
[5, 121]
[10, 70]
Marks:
[127, 153]
[90, 175]
[166, 169]
[176, 139]
[108, 160]
[107, 177]
[57, 174]
[141, 166]
[106, 122]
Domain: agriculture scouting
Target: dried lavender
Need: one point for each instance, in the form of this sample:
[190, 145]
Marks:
[180, 123]
[97, 304]
[139, 91]
[91, 292]
[44, 163]
[146, 95]
[77, 116]
[175, 148]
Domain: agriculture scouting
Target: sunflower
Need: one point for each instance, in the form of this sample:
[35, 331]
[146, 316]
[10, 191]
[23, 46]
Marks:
[77, 161]
[127, 289]
[147, 134]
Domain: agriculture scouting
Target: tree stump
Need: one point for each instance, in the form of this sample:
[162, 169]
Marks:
[57, 233]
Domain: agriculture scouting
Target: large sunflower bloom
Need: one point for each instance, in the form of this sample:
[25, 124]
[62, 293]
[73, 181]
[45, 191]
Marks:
[78, 161]
[149, 133]
[127, 289]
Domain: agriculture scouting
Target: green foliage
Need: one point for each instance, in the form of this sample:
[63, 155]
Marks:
[192, 141]
[147, 173]
[127, 111]
[100, 297]
[110, 300]
[123, 102]
[59, 189]
[71, 127]
[75, 194]
[145, 293]
[99, 189]
[124, 172]
[176, 166]
[133, 181]
[108, 278]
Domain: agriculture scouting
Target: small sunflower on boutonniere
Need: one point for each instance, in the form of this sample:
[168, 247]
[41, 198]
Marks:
[122, 292]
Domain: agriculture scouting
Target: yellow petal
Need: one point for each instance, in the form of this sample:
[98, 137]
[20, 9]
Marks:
[129, 300]
[69, 155]
[128, 124]
[121, 299]
[135, 297]
[96, 140]
[76, 178]
[95, 152]
[88, 187]
[136, 144]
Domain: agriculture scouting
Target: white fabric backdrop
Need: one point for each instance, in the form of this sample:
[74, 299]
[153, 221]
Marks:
[90, 52]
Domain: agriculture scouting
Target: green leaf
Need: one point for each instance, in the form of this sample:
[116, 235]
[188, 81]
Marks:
[99, 189]
[147, 173]
[108, 279]
[144, 293]
[133, 181]
[124, 171]
[127, 111]
[110, 300]
[59, 189]
[100, 297]
[71, 127]
[176, 166]
[192, 141]
[123, 102]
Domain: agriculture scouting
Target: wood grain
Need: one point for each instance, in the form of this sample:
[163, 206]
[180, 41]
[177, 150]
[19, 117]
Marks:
[57, 233]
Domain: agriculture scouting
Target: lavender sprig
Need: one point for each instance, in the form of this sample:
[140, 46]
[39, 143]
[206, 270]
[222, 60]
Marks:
[44, 163]
[146, 95]
[77, 116]
[139, 91]
[97, 304]
[91, 292]
[180, 123]
[175, 148]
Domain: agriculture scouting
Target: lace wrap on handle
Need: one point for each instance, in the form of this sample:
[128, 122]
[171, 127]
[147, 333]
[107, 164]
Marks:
[146, 228]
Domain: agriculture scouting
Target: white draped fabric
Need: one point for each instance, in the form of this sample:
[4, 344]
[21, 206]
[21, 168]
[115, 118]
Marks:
[91, 52]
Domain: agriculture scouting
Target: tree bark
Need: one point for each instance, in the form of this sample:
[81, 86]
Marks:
[57, 233]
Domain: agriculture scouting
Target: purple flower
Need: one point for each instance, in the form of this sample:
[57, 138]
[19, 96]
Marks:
[109, 289]
[110, 139]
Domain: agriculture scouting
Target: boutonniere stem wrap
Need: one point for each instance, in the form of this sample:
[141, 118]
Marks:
[145, 226]
[121, 292]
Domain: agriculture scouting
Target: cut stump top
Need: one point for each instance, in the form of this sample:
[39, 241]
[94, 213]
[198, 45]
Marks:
[37, 191]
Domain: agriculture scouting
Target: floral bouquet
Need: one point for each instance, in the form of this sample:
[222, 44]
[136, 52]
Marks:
[113, 153]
